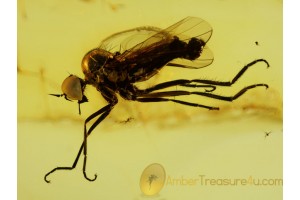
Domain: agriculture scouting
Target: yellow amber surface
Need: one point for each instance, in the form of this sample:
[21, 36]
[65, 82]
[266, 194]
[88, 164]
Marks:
[196, 147]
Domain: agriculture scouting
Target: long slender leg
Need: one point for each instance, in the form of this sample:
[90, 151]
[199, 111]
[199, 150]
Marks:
[99, 112]
[159, 96]
[174, 93]
[160, 99]
[211, 83]
[112, 99]
[229, 83]
[179, 82]
[87, 133]
[230, 98]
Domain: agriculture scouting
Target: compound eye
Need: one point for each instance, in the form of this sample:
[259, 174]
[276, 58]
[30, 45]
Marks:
[72, 88]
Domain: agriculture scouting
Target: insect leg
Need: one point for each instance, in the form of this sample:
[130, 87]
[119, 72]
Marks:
[161, 99]
[230, 98]
[160, 96]
[112, 99]
[87, 133]
[195, 82]
[99, 112]
[239, 74]
[179, 82]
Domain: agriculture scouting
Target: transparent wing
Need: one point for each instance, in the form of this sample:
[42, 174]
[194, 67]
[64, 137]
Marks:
[122, 41]
[191, 27]
[185, 30]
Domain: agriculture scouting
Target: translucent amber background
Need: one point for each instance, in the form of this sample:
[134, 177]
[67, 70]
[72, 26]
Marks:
[54, 35]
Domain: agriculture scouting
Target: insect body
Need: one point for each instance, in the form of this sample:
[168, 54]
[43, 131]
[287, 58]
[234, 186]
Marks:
[138, 54]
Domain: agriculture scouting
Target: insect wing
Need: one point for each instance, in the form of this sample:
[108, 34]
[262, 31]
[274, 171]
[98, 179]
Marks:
[122, 41]
[185, 29]
[191, 27]
[152, 42]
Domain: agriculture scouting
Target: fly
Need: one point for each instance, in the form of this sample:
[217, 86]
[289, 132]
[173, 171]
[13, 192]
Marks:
[138, 54]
